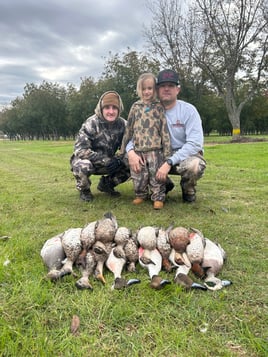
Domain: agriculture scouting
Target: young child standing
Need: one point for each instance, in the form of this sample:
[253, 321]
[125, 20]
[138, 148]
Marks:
[148, 131]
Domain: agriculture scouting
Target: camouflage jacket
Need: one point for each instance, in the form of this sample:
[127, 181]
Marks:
[147, 128]
[98, 140]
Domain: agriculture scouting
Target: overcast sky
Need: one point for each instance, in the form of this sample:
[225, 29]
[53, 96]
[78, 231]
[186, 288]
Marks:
[64, 40]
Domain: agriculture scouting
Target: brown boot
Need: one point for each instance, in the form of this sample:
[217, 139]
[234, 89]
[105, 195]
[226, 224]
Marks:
[158, 204]
[138, 201]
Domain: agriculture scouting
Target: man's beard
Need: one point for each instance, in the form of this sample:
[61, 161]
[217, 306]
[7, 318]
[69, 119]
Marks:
[166, 102]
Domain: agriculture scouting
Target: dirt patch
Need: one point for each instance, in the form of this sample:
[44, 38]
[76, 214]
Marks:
[245, 139]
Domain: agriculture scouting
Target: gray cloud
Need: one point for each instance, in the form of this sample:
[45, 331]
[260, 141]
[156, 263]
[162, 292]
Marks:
[64, 40]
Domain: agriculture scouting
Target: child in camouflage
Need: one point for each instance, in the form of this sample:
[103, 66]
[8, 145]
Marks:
[147, 129]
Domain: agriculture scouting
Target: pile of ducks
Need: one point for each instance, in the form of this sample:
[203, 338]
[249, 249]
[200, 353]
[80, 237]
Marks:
[103, 243]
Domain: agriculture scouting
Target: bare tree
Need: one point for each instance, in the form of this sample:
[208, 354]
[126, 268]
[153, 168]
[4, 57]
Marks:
[165, 35]
[225, 39]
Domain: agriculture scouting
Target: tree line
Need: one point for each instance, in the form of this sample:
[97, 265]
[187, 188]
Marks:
[219, 48]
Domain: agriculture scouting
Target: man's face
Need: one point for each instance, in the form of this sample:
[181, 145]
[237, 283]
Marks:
[110, 112]
[167, 93]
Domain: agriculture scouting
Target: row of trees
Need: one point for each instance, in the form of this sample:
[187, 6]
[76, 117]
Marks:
[219, 48]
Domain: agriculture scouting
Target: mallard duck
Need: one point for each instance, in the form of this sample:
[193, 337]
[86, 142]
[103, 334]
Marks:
[164, 248]
[86, 270]
[213, 260]
[87, 239]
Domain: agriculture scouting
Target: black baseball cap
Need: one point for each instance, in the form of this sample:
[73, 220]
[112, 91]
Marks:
[167, 75]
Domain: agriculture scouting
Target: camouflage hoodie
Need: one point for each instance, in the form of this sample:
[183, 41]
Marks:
[98, 139]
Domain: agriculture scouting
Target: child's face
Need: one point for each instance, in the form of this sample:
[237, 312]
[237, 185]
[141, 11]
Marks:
[148, 90]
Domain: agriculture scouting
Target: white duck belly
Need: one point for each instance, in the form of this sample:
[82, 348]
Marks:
[156, 259]
[115, 265]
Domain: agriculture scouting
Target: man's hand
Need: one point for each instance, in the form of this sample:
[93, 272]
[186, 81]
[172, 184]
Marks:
[114, 164]
[162, 172]
[135, 161]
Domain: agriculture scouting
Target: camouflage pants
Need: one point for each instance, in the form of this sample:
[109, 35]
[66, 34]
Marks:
[190, 170]
[82, 170]
[145, 182]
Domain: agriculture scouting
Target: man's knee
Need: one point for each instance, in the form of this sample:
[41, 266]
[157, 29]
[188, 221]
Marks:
[193, 166]
[82, 167]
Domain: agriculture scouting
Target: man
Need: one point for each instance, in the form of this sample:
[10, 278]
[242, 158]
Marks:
[186, 134]
[96, 145]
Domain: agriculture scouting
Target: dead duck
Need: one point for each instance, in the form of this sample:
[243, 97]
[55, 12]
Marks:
[105, 231]
[106, 228]
[87, 269]
[153, 266]
[120, 239]
[101, 252]
[132, 253]
[149, 256]
[181, 274]
[179, 239]
[164, 248]
[187, 283]
[214, 258]
[87, 239]
[146, 238]
[126, 247]
[195, 251]
[116, 264]
[53, 254]
[72, 247]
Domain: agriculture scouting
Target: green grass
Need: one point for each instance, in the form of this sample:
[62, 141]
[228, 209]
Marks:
[38, 200]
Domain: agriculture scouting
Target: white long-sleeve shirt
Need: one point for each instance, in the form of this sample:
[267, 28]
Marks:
[185, 129]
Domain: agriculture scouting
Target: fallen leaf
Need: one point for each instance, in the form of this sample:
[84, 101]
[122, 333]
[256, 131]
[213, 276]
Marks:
[75, 324]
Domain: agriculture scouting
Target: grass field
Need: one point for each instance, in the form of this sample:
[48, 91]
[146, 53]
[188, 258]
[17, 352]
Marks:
[38, 199]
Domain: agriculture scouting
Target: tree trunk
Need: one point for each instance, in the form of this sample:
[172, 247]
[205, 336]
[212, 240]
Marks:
[233, 111]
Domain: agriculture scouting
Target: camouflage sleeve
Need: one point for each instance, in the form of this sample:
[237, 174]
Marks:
[83, 147]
